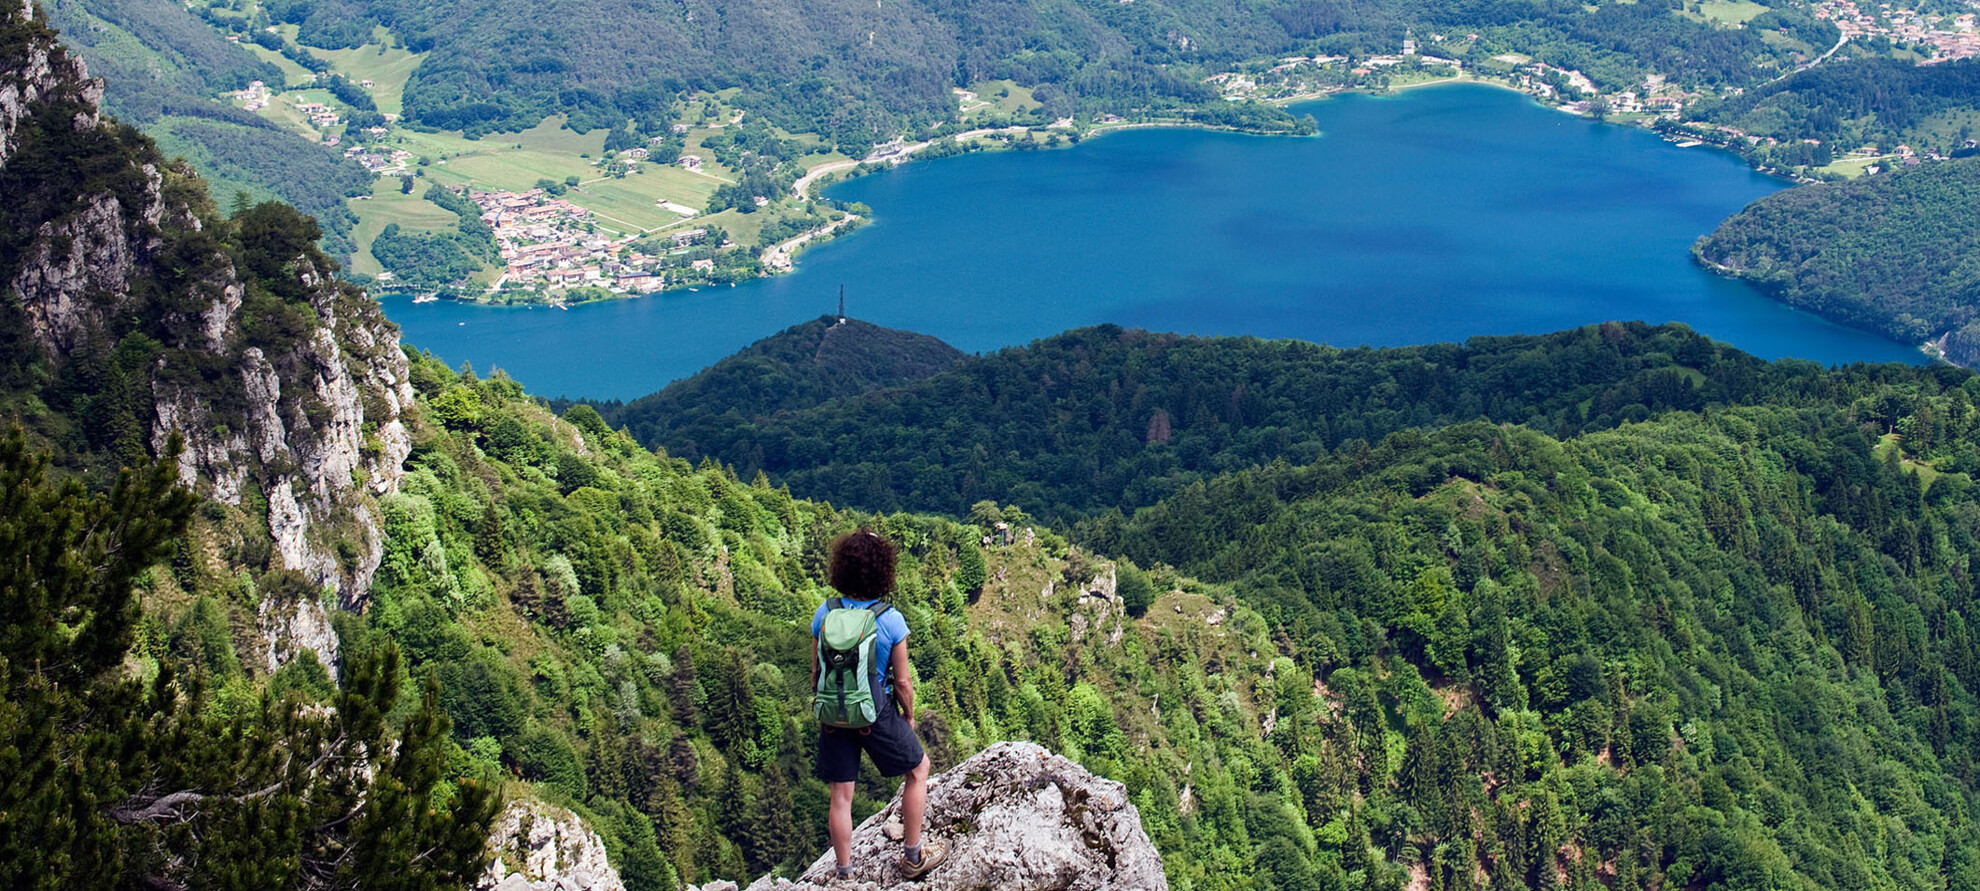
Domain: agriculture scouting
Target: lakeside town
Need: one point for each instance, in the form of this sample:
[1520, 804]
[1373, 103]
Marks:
[1948, 37]
[551, 243]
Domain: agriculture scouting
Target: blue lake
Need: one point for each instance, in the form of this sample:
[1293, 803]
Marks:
[1435, 215]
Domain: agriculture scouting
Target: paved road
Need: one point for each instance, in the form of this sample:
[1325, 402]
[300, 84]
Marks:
[802, 187]
[779, 258]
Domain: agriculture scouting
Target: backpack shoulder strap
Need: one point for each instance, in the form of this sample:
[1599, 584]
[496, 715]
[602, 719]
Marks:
[879, 609]
[835, 603]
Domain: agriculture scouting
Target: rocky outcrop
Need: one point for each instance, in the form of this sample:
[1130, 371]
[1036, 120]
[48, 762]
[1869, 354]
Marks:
[321, 430]
[1015, 816]
[538, 847]
[287, 628]
[78, 272]
[287, 388]
[42, 74]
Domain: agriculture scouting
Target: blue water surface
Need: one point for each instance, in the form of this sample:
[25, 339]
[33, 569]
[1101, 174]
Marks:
[1435, 215]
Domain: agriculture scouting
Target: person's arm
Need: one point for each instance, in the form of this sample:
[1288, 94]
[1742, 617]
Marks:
[903, 681]
[814, 663]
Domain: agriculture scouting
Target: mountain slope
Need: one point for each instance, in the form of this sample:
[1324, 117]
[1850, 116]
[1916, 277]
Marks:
[862, 73]
[165, 71]
[238, 412]
[1686, 606]
[136, 313]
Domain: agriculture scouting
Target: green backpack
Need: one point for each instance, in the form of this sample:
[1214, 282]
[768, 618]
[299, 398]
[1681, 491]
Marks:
[849, 690]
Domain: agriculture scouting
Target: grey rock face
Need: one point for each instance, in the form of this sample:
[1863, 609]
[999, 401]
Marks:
[1016, 817]
[324, 428]
[539, 847]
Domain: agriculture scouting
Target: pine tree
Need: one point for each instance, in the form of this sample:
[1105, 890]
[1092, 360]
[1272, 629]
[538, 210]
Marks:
[489, 542]
[684, 688]
[732, 710]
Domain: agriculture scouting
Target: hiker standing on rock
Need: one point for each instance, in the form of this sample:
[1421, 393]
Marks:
[859, 646]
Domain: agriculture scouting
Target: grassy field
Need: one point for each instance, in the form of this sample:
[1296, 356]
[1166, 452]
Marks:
[387, 69]
[1778, 40]
[387, 206]
[1944, 130]
[295, 73]
[516, 161]
[1851, 167]
[1925, 472]
[1000, 98]
[1731, 12]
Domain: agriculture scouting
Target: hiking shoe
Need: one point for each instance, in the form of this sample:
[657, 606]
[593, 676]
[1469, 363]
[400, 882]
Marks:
[933, 853]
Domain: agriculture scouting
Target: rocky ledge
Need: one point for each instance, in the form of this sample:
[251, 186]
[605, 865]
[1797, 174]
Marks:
[540, 847]
[1015, 816]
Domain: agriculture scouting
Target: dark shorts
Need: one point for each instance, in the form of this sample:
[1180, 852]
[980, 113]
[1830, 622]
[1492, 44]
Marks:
[890, 742]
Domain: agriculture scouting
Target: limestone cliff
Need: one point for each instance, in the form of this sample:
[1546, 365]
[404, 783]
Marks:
[1015, 816]
[141, 314]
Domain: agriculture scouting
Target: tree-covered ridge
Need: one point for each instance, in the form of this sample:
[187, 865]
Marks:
[1892, 253]
[1106, 418]
[627, 632]
[796, 368]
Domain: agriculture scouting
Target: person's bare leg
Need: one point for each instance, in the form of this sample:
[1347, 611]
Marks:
[839, 822]
[914, 800]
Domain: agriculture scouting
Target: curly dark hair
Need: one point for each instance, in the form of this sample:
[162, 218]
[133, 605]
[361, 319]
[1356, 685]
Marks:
[863, 565]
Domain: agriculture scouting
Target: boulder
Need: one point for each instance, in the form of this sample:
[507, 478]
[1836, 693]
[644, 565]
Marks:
[1016, 817]
[540, 847]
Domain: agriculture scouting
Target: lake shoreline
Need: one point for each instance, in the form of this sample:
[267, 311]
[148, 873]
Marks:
[1435, 217]
[831, 173]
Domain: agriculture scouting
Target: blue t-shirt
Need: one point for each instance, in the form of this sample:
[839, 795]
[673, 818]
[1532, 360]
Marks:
[892, 630]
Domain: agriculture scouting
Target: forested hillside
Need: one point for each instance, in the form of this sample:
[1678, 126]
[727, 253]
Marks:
[1717, 650]
[861, 73]
[1107, 418]
[1846, 104]
[163, 71]
[1708, 649]
[1892, 253]
[289, 606]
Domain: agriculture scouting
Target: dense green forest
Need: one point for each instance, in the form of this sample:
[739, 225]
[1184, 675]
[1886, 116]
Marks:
[1106, 418]
[164, 70]
[1892, 253]
[1845, 104]
[1728, 649]
[1716, 648]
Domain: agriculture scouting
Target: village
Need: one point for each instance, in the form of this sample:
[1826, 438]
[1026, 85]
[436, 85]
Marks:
[551, 243]
[1302, 77]
[1948, 37]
